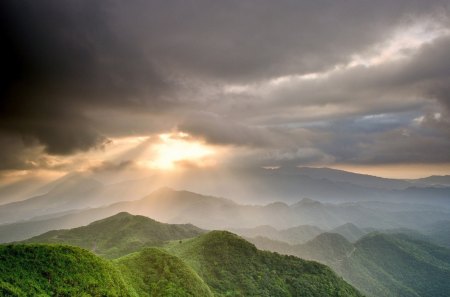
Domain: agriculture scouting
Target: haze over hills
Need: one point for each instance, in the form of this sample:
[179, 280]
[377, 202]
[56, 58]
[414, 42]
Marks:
[209, 212]
[293, 235]
[377, 264]
[288, 185]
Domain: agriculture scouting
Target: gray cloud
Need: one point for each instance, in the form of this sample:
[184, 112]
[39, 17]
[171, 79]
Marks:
[81, 72]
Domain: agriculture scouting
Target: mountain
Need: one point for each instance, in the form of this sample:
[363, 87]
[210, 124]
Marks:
[153, 272]
[119, 235]
[60, 270]
[232, 266]
[170, 206]
[71, 193]
[362, 180]
[209, 212]
[194, 268]
[288, 184]
[378, 264]
[434, 180]
[293, 235]
[350, 231]
[22, 189]
[55, 270]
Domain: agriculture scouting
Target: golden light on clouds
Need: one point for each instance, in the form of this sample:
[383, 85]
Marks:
[177, 148]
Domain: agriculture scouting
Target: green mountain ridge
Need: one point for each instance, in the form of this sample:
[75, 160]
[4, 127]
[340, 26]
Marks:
[154, 272]
[232, 266]
[119, 235]
[217, 263]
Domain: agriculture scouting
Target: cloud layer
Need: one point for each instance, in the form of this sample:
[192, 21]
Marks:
[304, 82]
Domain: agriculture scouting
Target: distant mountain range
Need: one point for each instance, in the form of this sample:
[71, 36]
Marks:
[288, 185]
[209, 212]
[293, 235]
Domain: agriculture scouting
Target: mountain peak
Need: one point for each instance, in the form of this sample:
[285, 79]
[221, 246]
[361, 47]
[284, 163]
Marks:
[305, 202]
[119, 234]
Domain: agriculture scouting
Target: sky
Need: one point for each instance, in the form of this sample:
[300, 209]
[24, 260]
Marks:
[177, 85]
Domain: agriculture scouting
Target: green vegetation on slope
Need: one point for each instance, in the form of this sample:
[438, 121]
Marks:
[391, 265]
[218, 263]
[232, 266]
[153, 272]
[119, 235]
[56, 270]
[396, 265]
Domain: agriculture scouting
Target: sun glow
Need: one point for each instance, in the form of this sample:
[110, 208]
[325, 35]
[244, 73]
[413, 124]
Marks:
[179, 149]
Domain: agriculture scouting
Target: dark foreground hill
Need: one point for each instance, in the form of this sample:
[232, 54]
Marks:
[232, 266]
[119, 235]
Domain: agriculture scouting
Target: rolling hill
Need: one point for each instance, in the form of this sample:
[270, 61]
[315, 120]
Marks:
[293, 235]
[60, 270]
[378, 264]
[350, 231]
[153, 272]
[217, 263]
[56, 270]
[119, 235]
[232, 266]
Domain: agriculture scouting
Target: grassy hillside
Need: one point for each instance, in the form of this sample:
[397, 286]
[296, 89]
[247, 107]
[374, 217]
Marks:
[153, 272]
[55, 270]
[232, 266]
[119, 235]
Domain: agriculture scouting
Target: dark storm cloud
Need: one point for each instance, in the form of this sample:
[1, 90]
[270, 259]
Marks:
[63, 59]
[80, 72]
